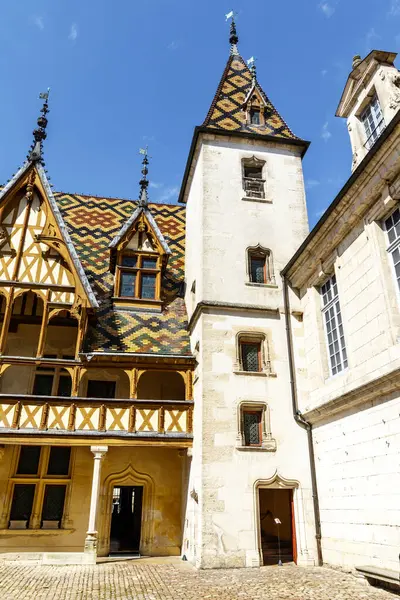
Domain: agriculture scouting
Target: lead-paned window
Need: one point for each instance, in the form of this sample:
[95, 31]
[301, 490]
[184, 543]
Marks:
[335, 340]
[59, 460]
[22, 502]
[250, 354]
[252, 428]
[44, 472]
[53, 502]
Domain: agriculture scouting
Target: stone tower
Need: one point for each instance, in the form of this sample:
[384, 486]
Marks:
[246, 216]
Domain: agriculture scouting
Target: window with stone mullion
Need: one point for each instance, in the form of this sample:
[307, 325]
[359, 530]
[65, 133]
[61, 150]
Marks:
[392, 226]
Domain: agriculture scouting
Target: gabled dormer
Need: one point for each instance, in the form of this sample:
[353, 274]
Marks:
[138, 257]
[370, 100]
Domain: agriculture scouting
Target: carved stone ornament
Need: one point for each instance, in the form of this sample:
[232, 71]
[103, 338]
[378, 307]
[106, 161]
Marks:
[395, 96]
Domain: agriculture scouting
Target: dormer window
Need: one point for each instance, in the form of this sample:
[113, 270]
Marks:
[139, 276]
[373, 122]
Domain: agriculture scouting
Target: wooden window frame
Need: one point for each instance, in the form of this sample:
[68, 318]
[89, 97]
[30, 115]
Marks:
[40, 480]
[260, 413]
[248, 182]
[139, 271]
[246, 342]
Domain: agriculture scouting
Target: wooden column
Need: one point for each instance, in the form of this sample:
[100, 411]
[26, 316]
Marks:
[189, 385]
[6, 321]
[82, 326]
[133, 378]
[77, 375]
[43, 327]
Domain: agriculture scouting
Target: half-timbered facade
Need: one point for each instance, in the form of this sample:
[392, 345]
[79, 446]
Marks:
[96, 373]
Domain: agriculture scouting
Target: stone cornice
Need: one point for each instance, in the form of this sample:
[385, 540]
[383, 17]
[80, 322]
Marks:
[379, 387]
[208, 306]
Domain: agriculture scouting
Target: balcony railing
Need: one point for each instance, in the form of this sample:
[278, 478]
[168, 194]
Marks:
[49, 415]
[254, 187]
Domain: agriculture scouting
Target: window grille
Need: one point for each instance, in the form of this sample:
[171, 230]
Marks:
[53, 503]
[392, 226]
[258, 269]
[374, 124]
[253, 182]
[333, 326]
[59, 460]
[22, 502]
[252, 428]
[28, 463]
[250, 356]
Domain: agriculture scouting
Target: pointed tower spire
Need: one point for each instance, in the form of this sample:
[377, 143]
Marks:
[144, 183]
[40, 134]
[233, 36]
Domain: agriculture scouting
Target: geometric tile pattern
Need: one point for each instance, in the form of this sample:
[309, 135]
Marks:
[226, 108]
[136, 418]
[92, 223]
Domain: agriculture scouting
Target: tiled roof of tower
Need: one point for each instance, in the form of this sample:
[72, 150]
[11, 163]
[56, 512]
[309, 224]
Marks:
[93, 222]
[226, 112]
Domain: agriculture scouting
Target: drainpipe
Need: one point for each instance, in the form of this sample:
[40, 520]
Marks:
[302, 422]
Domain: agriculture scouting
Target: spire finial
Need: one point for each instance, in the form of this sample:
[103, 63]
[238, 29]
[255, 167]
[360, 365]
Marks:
[252, 66]
[144, 183]
[233, 36]
[40, 134]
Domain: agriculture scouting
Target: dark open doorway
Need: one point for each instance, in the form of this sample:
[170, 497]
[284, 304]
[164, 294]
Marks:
[126, 519]
[278, 541]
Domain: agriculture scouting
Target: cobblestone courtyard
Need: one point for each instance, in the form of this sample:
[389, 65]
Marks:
[132, 580]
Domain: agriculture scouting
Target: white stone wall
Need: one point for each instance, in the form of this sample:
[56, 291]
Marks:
[384, 83]
[358, 460]
[221, 524]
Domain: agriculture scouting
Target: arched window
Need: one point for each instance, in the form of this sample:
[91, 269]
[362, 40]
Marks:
[260, 265]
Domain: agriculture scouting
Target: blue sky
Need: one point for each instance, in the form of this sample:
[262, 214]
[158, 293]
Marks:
[125, 73]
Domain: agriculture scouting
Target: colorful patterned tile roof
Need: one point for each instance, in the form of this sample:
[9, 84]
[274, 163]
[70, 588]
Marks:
[93, 222]
[226, 109]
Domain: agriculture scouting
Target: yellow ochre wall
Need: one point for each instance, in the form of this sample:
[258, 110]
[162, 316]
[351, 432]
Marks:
[159, 469]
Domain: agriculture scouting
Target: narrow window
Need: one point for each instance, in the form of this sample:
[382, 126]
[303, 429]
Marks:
[250, 356]
[255, 116]
[333, 326]
[373, 122]
[392, 226]
[28, 463]
[253, 182]
[53, 503]
[258, 272]
[252, 428]
[22, 502]
[64, 384]
[101, 389]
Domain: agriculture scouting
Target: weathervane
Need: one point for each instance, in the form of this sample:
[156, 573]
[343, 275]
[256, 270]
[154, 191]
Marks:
[144, 183]
[252, 65]
[40, 134]
[233, 37]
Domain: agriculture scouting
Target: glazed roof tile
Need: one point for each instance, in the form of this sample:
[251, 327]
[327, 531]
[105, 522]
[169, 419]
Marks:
[226, 111]
[93, 223]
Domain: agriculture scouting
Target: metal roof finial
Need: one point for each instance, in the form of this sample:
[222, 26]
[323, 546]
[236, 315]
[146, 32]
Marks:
[233, 36]
[252, 66]
[40, 134]
[144, 183]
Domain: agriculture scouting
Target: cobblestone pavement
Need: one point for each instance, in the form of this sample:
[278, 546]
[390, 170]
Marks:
[132, 580]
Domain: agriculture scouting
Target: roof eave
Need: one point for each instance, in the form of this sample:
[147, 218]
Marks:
[241, 134]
